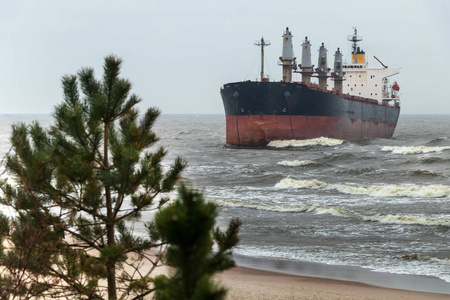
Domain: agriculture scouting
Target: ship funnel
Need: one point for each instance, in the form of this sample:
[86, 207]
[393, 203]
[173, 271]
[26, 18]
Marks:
[338, 74]
[305, 66]
[322, 68]
[287, 57]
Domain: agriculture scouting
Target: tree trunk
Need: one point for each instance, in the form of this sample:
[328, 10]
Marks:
[110, 264]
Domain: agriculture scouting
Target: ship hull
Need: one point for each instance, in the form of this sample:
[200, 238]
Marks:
[260, 112]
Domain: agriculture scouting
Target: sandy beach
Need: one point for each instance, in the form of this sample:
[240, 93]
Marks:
[246, 283]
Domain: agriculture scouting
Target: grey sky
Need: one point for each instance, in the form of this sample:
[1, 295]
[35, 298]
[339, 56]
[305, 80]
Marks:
[179, 53]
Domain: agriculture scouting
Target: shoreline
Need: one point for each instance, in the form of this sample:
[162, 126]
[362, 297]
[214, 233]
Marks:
[347, 275]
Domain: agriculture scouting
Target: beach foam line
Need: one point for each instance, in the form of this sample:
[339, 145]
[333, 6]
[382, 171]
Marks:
[387, 190]
[338, 212]
[295, 163]
[321, 141]
[413, 149]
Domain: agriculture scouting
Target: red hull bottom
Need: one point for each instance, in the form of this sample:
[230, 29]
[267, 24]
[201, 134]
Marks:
[259, 130]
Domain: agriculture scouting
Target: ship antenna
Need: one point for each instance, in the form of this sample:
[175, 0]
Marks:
[262, 44]
[355, 38]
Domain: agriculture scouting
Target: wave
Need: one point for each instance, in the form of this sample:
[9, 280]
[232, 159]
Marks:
[394, 190]
[338, 212]
[437, 140]
[419, 257]
[348, 156]
[425, 173]
[300, 184]
[413, 149]
[362, 171]
[388, 190]
[320, 210]
[275, 208]
[296, 163]
[321, 141]
[408, 220]
[432, 160]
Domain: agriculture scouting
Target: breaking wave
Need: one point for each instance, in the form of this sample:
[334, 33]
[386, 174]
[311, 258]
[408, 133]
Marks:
[338, 212]
[408, 220]
[300, 184]
[419, 257]
[388, 190]
[320, 210]
[413, 149]
[296, 163]
[321, 141]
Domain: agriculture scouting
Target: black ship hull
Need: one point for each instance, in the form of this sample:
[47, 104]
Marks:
[259, 112]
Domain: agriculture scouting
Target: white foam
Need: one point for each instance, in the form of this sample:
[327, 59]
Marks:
[387, 190]
[322, 141]
[335, 211]
[390, 190]
[300, 184]
[413, 150]
[409, 220]
[295, 163]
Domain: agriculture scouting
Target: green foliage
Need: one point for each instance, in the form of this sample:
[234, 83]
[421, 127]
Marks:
[74, 186]
[187, 225]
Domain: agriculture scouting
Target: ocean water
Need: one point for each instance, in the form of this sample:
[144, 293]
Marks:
[380, 204]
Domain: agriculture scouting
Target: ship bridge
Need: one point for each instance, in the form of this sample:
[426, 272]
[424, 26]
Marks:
[362, 81]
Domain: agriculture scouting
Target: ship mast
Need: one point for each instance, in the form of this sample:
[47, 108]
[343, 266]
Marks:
[262, 44]
[355, 38]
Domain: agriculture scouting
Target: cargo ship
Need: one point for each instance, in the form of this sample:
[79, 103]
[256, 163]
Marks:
[350, 101]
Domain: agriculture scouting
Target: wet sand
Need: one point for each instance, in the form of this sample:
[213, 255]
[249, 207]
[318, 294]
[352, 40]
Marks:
[246, 283]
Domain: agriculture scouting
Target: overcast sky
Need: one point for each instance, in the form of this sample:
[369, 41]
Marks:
[179, 53]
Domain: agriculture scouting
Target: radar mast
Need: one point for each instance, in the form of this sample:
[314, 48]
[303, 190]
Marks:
[262, 44]
[354, 38]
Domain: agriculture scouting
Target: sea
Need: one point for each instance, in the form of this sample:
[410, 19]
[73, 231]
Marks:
[381, 206]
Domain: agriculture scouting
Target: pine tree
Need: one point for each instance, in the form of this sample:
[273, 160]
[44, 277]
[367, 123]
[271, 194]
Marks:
[187, 225]
[76, 186]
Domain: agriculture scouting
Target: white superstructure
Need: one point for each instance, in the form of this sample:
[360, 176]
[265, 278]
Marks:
[362, 81]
